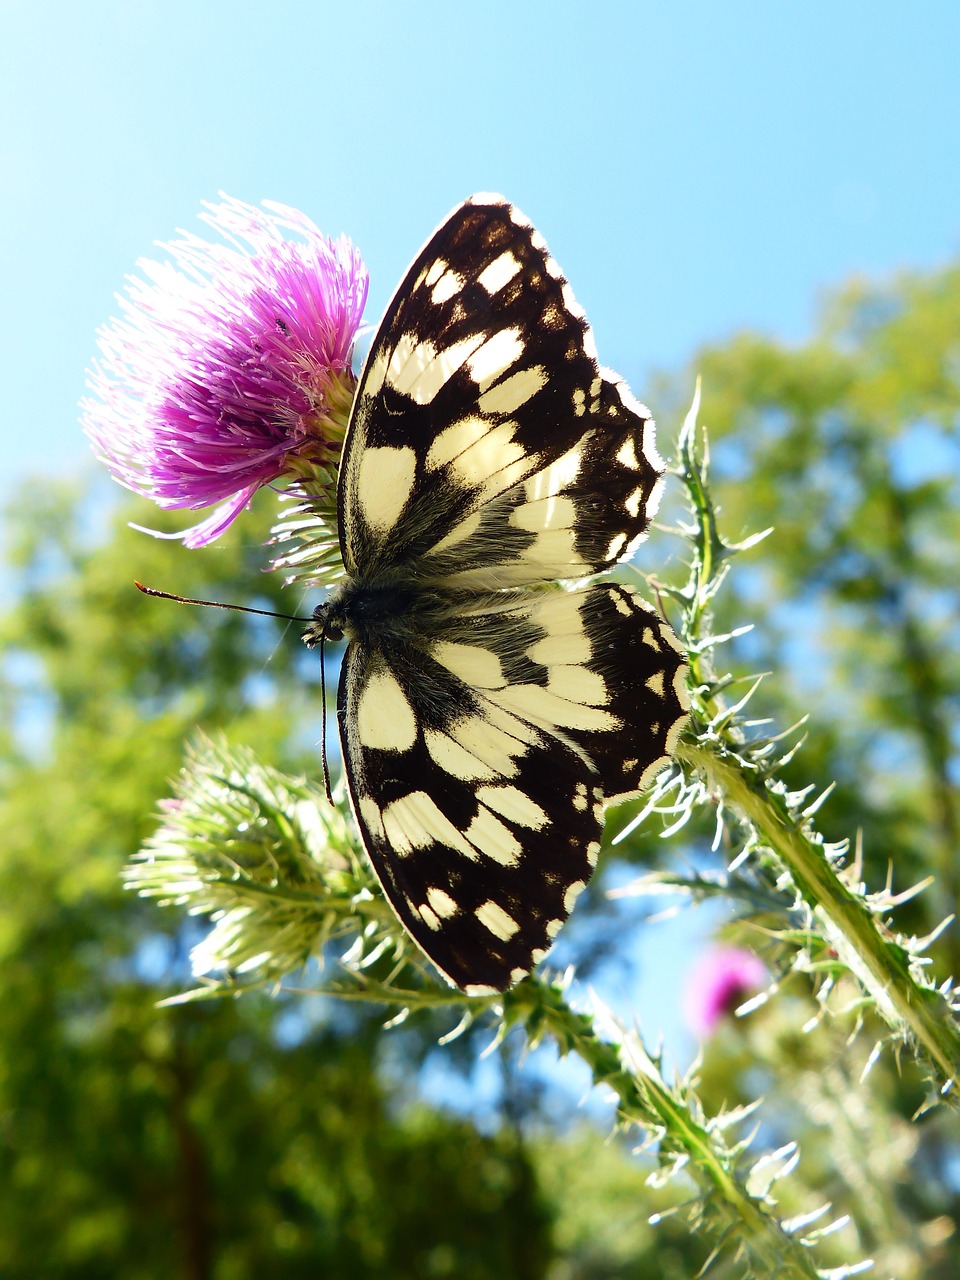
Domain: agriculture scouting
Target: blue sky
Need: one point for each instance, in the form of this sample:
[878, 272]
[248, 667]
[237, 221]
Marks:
[696, 168]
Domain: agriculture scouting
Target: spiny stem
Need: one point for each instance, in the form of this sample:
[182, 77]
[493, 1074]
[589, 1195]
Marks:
[877, 961]
[644, 1099]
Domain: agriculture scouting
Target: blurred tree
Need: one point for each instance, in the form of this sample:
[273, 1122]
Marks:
[849, 447]
[231, 1139]
[210, 1142]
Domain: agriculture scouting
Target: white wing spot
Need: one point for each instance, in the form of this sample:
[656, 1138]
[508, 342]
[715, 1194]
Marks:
[538, 954]
[447, 287]
[617, 544]
[384, 481]
[517, 974]
[622, 606]
[542, 707]
[385, 719]
[499, 273]
[650, 639]
[671, 637]
[655, 684]
[375, 374]
[580, 797]
[472, 664]
[653, 501]
[462, 530]
[593, 852]
[569, 301]
[544, 513]
[627, 454]
[456, 439]
[572, 894]
[578, 684]
[552, 480]
[649, 445]
[442, 903]
[489, 744]
[453, 759]
[512, 392]
[673, 735]
[415, 822]
[407, 361]
[651, 771]
[491, 461]
[554, 649]
[436, 270]
[494, 918]
[426, 370]
[681, 690]
[556, 547]
[488, 835]
[632, 503]
[553, 928]
[491, 360]
[514, 805]
[369, 811]
[428, 918]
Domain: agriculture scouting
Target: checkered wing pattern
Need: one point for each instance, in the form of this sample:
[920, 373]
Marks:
[494, 696]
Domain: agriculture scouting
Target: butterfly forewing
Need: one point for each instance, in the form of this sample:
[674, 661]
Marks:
[575, 517]
[486, 711]
[482, 372]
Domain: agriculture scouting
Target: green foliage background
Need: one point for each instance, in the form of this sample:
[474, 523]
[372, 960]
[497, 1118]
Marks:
[282, 1136]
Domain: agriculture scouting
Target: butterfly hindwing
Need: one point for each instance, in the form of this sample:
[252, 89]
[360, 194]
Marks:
[482, 828]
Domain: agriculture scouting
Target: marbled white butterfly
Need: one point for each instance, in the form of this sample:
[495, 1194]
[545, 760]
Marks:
[487, 713]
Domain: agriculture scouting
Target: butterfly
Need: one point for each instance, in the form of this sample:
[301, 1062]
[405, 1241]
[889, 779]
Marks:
[494, 695]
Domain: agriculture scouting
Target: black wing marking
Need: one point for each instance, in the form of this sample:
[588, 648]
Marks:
[578, 516]
[479, 763]
[482, 829]
[482, 372]
[486, 719]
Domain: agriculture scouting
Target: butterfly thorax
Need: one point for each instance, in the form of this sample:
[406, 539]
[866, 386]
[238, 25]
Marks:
[377, 612]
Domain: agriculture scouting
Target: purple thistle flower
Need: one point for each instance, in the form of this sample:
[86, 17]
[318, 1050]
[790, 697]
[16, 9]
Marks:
[719, 982]
[230, 366]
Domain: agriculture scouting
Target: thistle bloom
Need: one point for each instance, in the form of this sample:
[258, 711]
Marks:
[718, 983]
[230, 365]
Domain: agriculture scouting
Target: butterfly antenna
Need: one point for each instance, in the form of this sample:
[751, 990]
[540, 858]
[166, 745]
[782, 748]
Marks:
[323, 723]
[217, 604]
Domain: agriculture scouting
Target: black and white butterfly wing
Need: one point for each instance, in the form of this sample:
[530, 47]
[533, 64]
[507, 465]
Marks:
[486, 715]
[482, 828]
[484, 373]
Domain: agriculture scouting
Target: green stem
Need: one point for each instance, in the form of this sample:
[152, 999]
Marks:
[876, 959]
[645, 1100]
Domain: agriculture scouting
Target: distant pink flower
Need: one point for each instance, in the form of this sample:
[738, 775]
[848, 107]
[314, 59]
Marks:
[720, 981]
[229, 364]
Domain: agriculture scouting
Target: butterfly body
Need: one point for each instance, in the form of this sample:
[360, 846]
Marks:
[487, 711]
